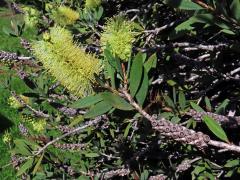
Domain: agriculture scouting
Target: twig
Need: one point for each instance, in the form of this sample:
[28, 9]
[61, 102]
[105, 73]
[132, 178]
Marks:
[222, 120]
[36, 112]
[180, 133]
[160, 29]
[185, 45]
[76, 130]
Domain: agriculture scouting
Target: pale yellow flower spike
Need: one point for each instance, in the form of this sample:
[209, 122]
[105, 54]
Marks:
[91, 4]
[64, 15]
[69, 64]
[118, 34]
[7, 137]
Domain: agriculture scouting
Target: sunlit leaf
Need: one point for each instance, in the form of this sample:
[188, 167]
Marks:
[215, 128]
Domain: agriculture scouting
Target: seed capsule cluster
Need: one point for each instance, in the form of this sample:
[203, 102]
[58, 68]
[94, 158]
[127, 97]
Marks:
[185, 165]
[118, 172]
[158, 177]
[23, 130]
[65, 129]
[26, 45]
[68, 111]
[16, 161]
[65, 146]
[180, 133]
[6, 56]
[223, 120]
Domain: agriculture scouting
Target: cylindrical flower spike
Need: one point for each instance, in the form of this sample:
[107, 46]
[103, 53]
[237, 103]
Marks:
[69, 64]
[118, 34]
[64, 15]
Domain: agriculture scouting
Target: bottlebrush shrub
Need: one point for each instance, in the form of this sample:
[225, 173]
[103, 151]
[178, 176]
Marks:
[64, 15]
[118, 34]
[67, 62]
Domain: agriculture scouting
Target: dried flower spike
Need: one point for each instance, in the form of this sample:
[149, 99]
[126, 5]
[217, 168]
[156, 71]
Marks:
[69, 64]
[118, 34]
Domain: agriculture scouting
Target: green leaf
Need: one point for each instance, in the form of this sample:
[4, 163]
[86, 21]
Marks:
[227, 31]
[99, 13]
[38, 164]
[215, 128]
[86, 101]
[113, 61]
[143, 90]
[21, 147]
[222, 107]
[127, 130]
[27, 165]
[111, 72]
[151, 62]
[171, 82]
[196, 107]
[99, 109]
[92, 155]
[188, 25]
[136, 73]
[76, 120]
[232, 163]
[116, 101]
[208, 103]
[182, 100]
[144, 175]
[235, 9]
[183, 4]
[169, 101]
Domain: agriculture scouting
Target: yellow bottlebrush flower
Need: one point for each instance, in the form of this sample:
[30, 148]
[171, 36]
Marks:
[26, 118]
[118, 34]
[39, 125]
[91, 4]
[48, 7]
[31, 16]
[67, 62]
[7, 137]
[13, 102]
[64, 15]
[46, 36]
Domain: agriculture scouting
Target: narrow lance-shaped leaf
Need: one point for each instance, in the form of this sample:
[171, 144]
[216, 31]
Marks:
[86, 101]
[196, 107]
[142, 92]
[208, 103]
[99, 109]
[215, 128]
[27, 165]
[136, 73]
[116, 101]
[183, 4]
[151, 62]
[182, 100]
[235, 9]
[222, 107]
